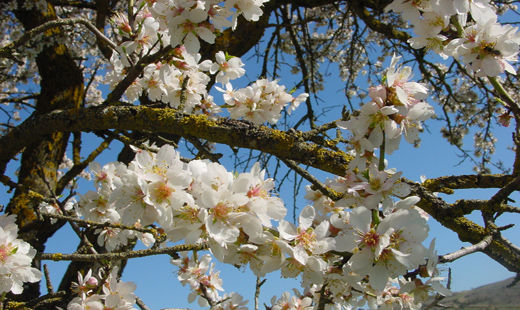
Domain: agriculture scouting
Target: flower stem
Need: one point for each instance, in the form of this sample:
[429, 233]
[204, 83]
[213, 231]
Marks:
[375, 217]
[457, 25]
[381, 165]
[503, 94]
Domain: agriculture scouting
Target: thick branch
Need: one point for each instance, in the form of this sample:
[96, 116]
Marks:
[231, 132]
[449, 183]
[505, 191]
[468, 231]
[388, 30]
[61, 87]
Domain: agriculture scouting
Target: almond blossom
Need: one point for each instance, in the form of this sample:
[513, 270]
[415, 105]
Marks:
[250, 9]
[385, 250]
[487, 47]
[199, 274]
[288, 302]
[396, 109]
[228, 68]
[187, 27]
[307, 240]
[262, 101]
[16, 256]
[117, 295]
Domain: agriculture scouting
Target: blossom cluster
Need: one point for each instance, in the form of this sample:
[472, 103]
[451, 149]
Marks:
[102, 293]
[196, 201]
[485, 45]
[262, 101]
[355, 250]
[396, 109]
[16, 257]
[381, 244]
[181, 81]
[205, 283]
[183, 22]
[235, 214]
[288, 302]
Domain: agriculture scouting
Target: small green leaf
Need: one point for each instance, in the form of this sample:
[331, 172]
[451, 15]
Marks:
[366, 174]
[228, 57]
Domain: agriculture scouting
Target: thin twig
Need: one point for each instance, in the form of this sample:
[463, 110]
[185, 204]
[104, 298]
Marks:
[141, 304]
[80, 166]
[504, 95]
[206, 296]
[172, 251]
[48, 282]
[72, 224]
[8, 51]
[466, 250]
[320, 186]
[204, 151]
[87, 223]
[257, 290]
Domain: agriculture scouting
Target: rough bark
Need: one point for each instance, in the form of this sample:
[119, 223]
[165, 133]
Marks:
[61, 88]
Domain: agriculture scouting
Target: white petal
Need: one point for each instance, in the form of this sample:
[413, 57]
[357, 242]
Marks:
[306, 217]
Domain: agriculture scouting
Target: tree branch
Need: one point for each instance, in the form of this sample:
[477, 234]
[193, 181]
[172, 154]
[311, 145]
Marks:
[9, 50]
[468, 231]
[466, 250]
[329, 192]
[448, 183]
[505, 191]
[231, 132]
[172, 251]
[87, 223]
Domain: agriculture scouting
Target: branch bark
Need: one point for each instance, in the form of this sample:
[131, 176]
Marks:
[468, 231]
[172, 251]
[41, 158]
[287, 145]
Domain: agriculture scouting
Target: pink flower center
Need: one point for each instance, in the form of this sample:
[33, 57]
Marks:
[188, 26]
[5, 251]
[101, 177]
[152, 83]
[163, 192]
[189, 214]
[256, 191]
[306, 237]
[224, 66]
[371, 238]
[221, 211]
